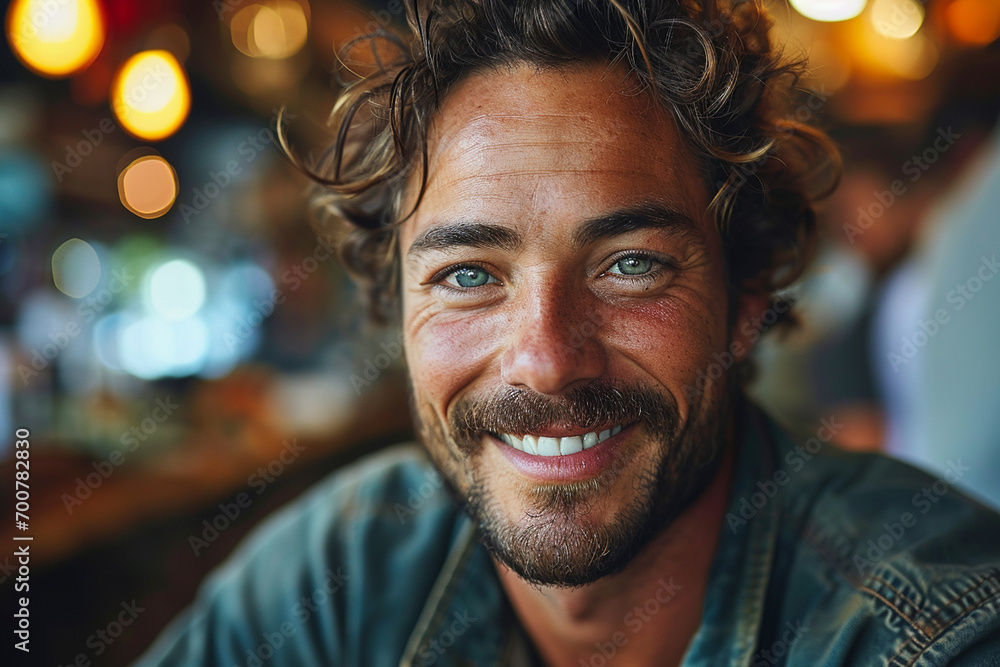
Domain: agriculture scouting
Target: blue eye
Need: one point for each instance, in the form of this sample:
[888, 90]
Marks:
[633, 265]
[469, 276]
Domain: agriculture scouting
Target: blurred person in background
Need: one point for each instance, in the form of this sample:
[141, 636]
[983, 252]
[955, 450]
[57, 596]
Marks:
[895, 343]
[579, 214]
[934, 343]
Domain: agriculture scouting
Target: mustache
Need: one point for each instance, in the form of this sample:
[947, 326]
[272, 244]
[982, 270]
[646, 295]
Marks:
[599, 404]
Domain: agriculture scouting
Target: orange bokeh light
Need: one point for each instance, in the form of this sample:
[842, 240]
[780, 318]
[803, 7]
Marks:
[973, 21]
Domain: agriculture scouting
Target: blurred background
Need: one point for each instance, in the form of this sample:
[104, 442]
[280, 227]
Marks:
[188, 356]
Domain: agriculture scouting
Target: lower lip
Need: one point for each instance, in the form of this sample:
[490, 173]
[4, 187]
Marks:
[569, 468]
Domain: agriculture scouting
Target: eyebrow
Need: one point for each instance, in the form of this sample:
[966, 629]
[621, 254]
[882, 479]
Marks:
[467, 235]
[634, 218]
[472, 234]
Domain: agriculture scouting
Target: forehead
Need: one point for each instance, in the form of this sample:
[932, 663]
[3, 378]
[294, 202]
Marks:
[525, 143]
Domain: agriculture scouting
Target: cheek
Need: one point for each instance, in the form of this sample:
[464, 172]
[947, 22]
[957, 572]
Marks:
[447, 354]
[671, 341]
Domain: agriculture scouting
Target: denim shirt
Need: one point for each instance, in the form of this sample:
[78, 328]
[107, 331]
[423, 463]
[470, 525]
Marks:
[824, 558]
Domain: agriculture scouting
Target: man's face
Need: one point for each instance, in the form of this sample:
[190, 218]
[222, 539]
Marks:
[563, 286]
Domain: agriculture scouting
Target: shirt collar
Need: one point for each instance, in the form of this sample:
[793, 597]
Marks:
[740, 572]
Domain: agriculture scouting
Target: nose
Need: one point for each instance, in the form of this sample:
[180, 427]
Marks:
[554, 345]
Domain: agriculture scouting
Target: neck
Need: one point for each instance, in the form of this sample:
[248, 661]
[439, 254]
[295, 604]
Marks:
[644, 615]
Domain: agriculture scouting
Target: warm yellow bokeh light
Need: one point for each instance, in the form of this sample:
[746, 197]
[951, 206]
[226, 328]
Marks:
[896, 19]
[917, 61]
[150, 95]
[148, 186]
[276, 29]
[55, 38]
[912, 58]
[829, 10]
[973, 21]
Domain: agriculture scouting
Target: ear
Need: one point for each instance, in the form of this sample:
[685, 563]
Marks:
[748, 323]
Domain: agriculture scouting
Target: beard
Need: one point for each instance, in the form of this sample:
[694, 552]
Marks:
[564, 536]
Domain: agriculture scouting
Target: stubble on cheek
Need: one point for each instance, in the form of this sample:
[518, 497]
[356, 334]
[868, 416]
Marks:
[452, 465]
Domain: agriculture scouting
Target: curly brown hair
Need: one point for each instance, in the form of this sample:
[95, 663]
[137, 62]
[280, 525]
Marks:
[710, 63]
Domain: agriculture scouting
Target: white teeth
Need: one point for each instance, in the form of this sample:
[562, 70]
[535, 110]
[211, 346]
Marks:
[570, 445]
[548, 446]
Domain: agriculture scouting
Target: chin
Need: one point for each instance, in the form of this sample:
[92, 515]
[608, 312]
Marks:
[572, 534]
[567, 520]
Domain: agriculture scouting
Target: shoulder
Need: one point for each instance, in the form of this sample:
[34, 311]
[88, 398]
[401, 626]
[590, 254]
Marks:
[318, 574]
[909, 563]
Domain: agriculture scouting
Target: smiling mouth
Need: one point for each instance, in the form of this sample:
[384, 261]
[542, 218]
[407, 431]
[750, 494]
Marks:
[550, 446]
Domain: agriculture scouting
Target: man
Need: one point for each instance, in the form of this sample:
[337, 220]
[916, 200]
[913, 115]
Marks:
[579, 213]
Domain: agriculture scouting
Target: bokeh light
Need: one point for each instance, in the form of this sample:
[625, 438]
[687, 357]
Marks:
[148, 186]
[829, 10]
[896, 19]
[912, 59]
[107, 331]
[55, 38]
[140, 253]
[974, 22]
[276, 29]
[154, 347]
[151, 96]
[76, 268]
[176, 290]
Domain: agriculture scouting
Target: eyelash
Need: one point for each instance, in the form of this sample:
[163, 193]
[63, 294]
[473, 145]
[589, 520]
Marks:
[660, 266]
[437, 279]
